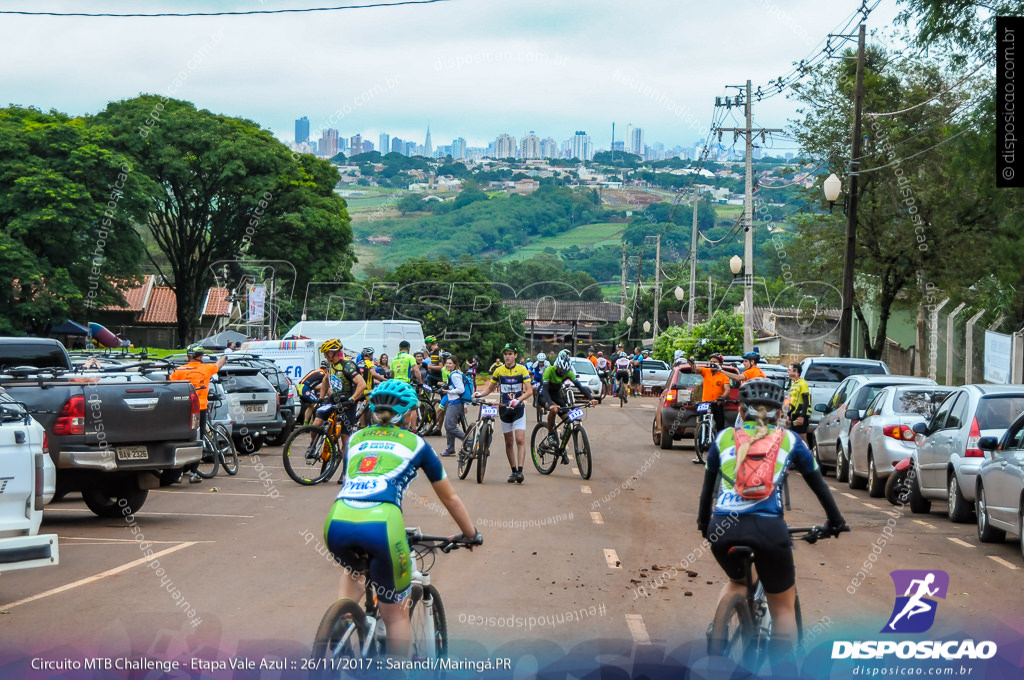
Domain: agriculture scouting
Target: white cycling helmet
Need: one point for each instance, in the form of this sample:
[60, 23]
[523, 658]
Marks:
[562, 363]
[541, 356]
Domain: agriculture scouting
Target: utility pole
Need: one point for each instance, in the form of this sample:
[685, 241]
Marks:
[622, 299]
[693, 261]
[657, 281]
[748, 211]
[846, 318]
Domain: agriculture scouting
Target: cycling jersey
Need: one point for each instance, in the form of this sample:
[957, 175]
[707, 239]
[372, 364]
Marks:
[716, 383]
[622, 364]
[199, 374]
[799, 398]
[510, 382]
[722, 456]
[551, 386]
[402, 365]
[380, 463]
[602, 364]
[538, 370]
[309, 386]
[343, 374]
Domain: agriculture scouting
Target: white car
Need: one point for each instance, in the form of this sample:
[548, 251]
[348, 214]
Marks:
[587, 375]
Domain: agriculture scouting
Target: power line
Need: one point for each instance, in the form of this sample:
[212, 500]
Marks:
[934, 96]
[397, 3]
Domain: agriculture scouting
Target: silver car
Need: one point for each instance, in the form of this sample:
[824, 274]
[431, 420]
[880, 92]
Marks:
[254, 407]
[831, 439]
[947, 457]
[587, 375]
[999, 494]
[885, 436]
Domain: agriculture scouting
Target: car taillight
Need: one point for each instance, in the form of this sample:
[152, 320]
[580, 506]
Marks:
[973, 436]
[46, 444]
[671, 396]
[901, 432]
[193, 403]
[71, 419]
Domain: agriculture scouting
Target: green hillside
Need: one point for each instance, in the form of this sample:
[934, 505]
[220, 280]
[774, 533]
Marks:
[587, 235]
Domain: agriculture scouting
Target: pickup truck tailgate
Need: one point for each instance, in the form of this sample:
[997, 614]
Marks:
[17, 482]
[137, 413]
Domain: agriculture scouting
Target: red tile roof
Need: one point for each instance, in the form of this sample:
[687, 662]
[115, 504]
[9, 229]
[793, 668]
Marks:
[135, 298]
[216, 303]
[162, 307]
[154, 304]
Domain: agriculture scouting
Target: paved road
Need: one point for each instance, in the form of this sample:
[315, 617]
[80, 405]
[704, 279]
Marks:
[565, 561]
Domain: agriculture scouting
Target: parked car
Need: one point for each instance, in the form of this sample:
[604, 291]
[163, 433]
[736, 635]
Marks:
[676, 414]
[654, 374]
[884, 435]
[587, 375]
[947, 457]
[999, 493]
[831, 440]
[282, 383]
[823, 375]
[777, 373]
[254, 405]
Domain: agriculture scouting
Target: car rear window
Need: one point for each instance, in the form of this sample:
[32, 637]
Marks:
[922, 402]
[996, 413]
[37, 355]
[584, 367]
[687, 380]
[245, 383]
[820, 372]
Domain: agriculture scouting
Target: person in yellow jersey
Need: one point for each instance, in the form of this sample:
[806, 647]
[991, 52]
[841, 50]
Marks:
[799, 402]
[514, 387]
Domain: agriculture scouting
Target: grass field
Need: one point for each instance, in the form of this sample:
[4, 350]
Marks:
[588, 235]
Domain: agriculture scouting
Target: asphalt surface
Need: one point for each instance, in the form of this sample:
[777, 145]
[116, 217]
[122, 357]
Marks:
[242, 568]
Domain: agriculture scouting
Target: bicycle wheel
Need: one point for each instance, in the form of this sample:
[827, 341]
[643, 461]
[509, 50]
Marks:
[225, 449]
[622, 395]
[732, 632]
[581, 447]
[308, 454]
[544, 460]
[342, 632]
[208, 464]
[429, 636]
[483, 449]
[466, 453]
[702, 440]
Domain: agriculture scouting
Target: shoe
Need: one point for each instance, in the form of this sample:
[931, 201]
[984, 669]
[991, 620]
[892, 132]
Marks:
[697, 460]
[447, 453]
[194, 478]
[551, 441]
[519, 478]
[565, 458]
[513, 477]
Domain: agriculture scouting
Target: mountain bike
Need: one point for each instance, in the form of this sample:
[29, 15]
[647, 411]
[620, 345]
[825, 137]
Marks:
[545, 457]
[313, 453]
[426, 423]
[477, 444]
[349, 632]
[218, 450]
[742, 627]
[705, 434]
[622, 390]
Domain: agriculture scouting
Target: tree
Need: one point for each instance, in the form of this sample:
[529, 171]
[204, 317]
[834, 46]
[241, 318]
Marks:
[543, 275]
[721, 334]
[411, 203]
[226, 189]
[69, 202]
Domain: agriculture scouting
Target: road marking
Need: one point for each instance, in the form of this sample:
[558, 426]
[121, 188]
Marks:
[585, 489]
[925, 524]
[637, 629]
[872, 506]
[611, 558]
[832, 488]
[596, 516]
[959, 542]
[116, 540]
[574, 470]
[850, 495]
[168, 514]
[97, 577]
[219, 493]
[1000, 560]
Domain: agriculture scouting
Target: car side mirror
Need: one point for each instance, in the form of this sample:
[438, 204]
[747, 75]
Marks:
[854, 414]
[988, 443]
[822, 408]
[920, 428]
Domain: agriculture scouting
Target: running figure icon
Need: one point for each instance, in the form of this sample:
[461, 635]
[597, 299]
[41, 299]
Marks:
[914, 604]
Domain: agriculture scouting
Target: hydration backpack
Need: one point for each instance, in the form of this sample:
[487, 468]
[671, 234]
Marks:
[755, 476]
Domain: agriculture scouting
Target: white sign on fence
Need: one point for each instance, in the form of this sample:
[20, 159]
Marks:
[998, 350]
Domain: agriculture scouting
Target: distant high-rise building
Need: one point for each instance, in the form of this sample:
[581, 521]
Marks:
[328, 145]
[397, 146]
[549, 148]
[428, 148]
[459, 148]
[385, 142]
[302, 130]
[618, 146]
[581, 147]
[443, 150]
[355, 145]
[412, 149]
[636, 141]
[367, 146]
[530, 148]
[505, 146]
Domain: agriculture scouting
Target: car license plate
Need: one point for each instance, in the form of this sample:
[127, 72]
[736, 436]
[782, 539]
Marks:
[257, 408]
[574, 414]
[703, 407]
[488, 411]
[132, 453]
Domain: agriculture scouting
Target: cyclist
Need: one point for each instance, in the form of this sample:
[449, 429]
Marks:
[420, 368]
[366, 518]
[345, 385]
[750, 369]
[403, 369]
[604, 369]
[551, 391]
[436, 364]
[799, 402]
[591, 356]
[515, 388]
[736, 520]
[636, 363]
[716, 387]
[621, 366]
[538, 368]
[458, 393]
[309, 389]
[678, 358]
[199, 374]
[473, 369]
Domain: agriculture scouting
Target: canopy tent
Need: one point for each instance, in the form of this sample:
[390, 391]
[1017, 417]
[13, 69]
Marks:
[70, 328]
[221, 340]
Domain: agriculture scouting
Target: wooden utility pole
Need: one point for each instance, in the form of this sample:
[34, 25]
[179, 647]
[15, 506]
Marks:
[846, 318]
[693, 261]
[622, 298]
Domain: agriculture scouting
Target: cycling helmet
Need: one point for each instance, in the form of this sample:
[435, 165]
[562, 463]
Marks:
[541, 356]
[195, 350]
[600, 354]
[510, 347]
[444, 355]
[752, 356]
[332, 345]
[430, 339]
[324, 365]
[761, 392]
[395, 396]
[367, 351]
[562, 363]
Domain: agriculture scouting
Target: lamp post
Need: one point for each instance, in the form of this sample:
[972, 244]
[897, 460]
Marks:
[736, 266]
[832, 187]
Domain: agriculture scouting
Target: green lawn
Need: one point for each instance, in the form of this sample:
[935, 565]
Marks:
[588, 235]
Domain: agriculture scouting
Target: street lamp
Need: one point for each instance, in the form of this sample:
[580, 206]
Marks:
[680, 293]
[833, 187]
[647, 326]
[735, 265]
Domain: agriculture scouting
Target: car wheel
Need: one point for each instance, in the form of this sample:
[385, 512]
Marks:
[656, 432]
[876, 485]
[115, 501]
[959, 510]
[817, 458]
[248, 444]
[281, 438]
[842, 465]
[918, 503]
[986, 532]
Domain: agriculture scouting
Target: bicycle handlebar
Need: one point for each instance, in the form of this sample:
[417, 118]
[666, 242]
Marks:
[445, 543]
[812, 534]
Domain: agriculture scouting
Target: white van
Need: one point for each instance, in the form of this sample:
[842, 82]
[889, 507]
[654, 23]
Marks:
[382, 336]
[295, 358]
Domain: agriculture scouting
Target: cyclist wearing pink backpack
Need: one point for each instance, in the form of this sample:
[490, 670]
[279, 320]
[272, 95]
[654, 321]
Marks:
[741, 503]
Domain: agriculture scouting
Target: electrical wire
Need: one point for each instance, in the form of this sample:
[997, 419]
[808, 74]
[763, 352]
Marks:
[922, 151]
[934, 96]
[397, 3]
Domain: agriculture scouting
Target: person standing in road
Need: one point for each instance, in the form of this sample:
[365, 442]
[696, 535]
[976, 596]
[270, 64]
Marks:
[799, 402]
[515, 387]
[404, 369]
[199, 374]
[436, 364]
[459, 393]
[716, 387]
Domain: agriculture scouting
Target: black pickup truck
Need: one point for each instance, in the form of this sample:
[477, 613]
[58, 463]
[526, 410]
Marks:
[110, 436]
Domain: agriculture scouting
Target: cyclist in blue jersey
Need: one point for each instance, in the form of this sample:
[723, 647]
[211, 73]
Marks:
[365, 528]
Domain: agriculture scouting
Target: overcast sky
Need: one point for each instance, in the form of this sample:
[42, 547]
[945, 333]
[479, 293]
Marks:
[469, 68]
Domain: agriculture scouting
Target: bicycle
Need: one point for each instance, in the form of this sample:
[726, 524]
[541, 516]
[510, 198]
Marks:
[742, 627]
[544, 458]
[622, 390]
[218, 451]
[426, 412]
[312, 453]
[705, 434]
[349, 632]
[477, 444]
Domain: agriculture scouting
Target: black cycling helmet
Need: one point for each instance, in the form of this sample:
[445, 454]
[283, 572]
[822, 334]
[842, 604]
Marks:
[510, 347]
[761, 392]
[324, 365]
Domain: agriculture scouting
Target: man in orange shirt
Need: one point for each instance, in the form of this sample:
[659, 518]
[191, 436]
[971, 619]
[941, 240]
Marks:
[199, 374]
[750, 369]
[716, 387]
[592, 357]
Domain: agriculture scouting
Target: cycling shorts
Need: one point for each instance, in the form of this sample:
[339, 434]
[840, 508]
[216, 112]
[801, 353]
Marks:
[517, 424]
[768, 536]
[372, 538]
[553, 396]
[622, 375]
[346, 416]
[309, 394]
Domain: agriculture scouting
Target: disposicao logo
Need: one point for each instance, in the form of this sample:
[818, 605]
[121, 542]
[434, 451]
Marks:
[914, 612]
